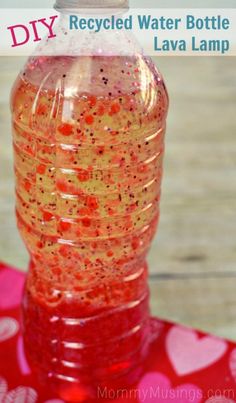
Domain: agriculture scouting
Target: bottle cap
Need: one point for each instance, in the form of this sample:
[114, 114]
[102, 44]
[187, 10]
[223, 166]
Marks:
[76, 4]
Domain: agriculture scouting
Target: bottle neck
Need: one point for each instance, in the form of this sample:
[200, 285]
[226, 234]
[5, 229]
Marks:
[91, 4]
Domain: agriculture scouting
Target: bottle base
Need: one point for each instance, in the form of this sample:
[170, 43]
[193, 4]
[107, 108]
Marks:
[84, 389]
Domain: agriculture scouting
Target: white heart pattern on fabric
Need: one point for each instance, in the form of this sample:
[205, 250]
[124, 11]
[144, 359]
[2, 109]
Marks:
[188, 353]
[219, 399]
[3, 388]
[232, 364]
[22, 394]
[9, 327]
[156, 387]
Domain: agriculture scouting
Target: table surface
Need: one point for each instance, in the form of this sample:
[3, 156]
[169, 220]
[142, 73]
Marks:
[193, 256]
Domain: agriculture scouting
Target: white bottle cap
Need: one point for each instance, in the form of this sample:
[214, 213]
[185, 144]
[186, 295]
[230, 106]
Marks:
[77, 4]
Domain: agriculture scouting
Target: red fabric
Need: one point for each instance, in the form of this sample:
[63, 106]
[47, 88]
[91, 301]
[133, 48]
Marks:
[184, 366]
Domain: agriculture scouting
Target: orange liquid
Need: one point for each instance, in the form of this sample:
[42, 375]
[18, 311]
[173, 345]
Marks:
[88, 169]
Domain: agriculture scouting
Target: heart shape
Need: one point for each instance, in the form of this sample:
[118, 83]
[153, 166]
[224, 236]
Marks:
[18, 395]
[10, 296]
[8, 328]
[3, 388]
[21, 394]
[188, 353]
[156, 387]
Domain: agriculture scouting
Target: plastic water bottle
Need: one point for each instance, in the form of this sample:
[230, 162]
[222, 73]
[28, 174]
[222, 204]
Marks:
[88, 135]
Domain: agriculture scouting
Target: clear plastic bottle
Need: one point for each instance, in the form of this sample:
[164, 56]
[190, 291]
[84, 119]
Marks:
[88, 133]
